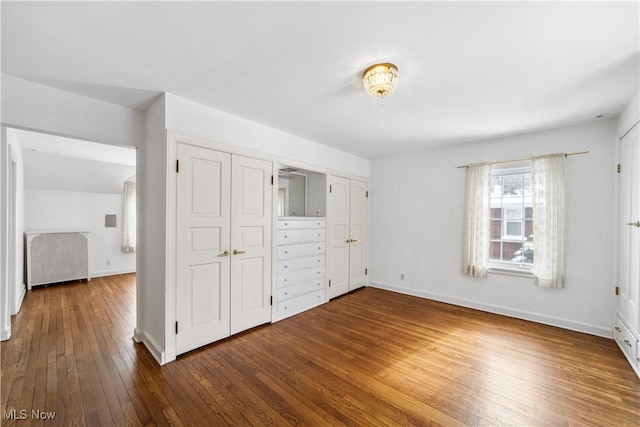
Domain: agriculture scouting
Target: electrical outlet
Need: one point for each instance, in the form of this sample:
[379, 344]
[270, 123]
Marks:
[108, 263]
[401, 276]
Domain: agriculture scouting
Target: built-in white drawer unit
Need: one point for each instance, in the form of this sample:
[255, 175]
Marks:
[301, 266]
[298, 224]
[301, 303]
[287, 237]
[302, 249]
[293, 264]
[627, 342]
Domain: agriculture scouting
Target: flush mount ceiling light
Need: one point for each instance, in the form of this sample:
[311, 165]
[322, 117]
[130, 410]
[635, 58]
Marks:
[380, 80]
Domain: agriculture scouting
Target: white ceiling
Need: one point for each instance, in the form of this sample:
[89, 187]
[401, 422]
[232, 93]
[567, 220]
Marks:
[468, 70]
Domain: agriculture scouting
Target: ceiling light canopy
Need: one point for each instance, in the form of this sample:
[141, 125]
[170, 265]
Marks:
[380, 80]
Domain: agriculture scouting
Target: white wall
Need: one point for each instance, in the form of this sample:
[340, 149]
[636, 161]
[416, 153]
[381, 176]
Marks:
[67, 210]
[5, 310]
[629, 116]
[151, 228]
[417, 215]
[42, 108]
[196, 119]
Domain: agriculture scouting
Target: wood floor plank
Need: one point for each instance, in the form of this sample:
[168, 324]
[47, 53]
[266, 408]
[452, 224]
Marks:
[371, 357]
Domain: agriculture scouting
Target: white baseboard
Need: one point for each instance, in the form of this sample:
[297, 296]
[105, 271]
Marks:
[155, 350]
[104, 273]
[23, 292]
[601, 331]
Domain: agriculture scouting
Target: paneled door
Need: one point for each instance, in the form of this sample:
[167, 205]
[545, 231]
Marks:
[251, 216]
[338, 236]
[358, 234]
[203, 245]
[629, 220]
[347, 215]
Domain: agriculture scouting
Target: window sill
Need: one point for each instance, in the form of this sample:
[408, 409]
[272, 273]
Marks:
[511, 272]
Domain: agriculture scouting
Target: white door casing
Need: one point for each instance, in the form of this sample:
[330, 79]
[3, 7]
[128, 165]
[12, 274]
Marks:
[338, 236]
[203, 236]
[358, 234]
[251, 223]
[629, 252]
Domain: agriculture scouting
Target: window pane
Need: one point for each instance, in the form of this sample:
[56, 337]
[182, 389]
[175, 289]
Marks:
[513, 213]
[528, 210]
[512, 185]
[496, 213]
[496, 227]
[528, 229]
[509, 250]
[514, 228]
[494, 250]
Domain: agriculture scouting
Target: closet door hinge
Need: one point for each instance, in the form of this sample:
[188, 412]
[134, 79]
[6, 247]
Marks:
[617, 290]
[177, 166]
[271, 300]
[367, 194]
[618, 167]
[176, 328]
[366, 271]
[329, 188]
[329, 282]
[271, 179]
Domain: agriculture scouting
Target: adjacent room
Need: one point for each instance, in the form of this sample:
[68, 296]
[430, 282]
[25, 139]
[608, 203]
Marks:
[320, 213]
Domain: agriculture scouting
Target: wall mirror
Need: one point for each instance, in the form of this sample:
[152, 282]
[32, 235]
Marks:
[292, 192]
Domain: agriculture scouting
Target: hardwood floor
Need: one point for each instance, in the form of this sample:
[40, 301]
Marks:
[371, 357]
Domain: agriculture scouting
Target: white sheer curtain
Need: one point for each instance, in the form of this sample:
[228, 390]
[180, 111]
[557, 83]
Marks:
[476, 236]
[547, 182]
[129, 217]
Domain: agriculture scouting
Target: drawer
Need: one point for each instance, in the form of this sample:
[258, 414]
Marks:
[300, 276]
[300, 250]
[625, 339]
[300, 263]
[300, 289]
[299, 236]
[287, 224]
[301, 303]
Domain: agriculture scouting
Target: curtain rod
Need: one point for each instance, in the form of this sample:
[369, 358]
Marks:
[577, 153]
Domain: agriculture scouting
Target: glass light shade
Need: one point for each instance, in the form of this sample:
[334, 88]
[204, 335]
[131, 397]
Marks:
[380, 79]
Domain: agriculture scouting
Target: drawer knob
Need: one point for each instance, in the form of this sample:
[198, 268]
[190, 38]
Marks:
[286, 266]
[319, 248]
[285, 236]
[318, 260]
[627, 343]
[286, 252]
[286, 293]
[286, 223]
[318, 284]
[618, 329]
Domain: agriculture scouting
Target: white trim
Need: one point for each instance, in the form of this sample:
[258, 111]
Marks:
[20, 298]
[588, 328]
[151, 345]
[104, 273]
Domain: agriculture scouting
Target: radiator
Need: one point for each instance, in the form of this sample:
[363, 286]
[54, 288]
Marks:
[54, 257]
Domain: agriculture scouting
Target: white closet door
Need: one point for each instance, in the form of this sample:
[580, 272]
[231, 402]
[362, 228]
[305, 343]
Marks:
[338, 236]
[358, 235]
[629, 264]
[251, 243]
[203, 235]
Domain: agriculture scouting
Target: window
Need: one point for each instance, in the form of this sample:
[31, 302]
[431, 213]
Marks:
[511, 233]
[506, 208]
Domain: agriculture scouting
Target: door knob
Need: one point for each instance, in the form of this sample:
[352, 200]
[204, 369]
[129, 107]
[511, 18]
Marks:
[353, 240]
[635, 224]
[225, 253]
[237, 252]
